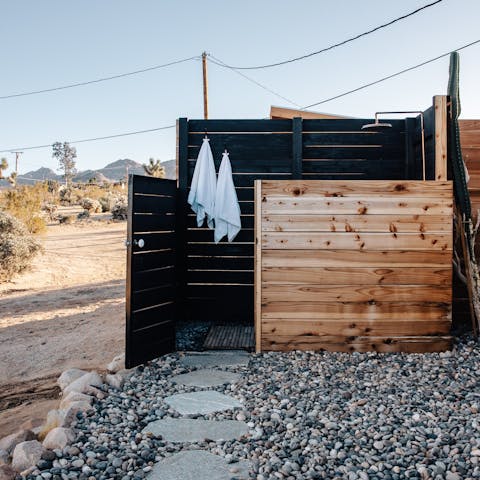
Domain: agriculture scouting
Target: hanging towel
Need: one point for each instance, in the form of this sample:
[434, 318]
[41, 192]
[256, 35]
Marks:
[204, 184]
[227, 209]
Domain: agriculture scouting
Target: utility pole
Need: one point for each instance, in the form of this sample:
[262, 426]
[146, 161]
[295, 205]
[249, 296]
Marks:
[17, 156]
[205, 86]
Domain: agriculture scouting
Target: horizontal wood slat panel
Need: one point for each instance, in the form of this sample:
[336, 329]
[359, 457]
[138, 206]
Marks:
[355, 265]
[357, 310]
[153, 223]
[368, 206]
[360, 188]
[354, 327]
[355, 293]
[360, 138]
[423, 344]
[357, 223]
[356, 276]
[352, 241]
[149, 204]
[340, 258]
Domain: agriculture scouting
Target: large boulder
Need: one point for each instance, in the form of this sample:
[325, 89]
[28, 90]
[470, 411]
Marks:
[7, 472]
[83, 384]
[69, 376]
[115, 381]
[4, 457]
[54, 420]
[75, 397]
[9, 442]
[59, 438]
[118, 363]
[26, 455]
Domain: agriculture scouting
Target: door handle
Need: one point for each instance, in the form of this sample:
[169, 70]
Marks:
[140, 243]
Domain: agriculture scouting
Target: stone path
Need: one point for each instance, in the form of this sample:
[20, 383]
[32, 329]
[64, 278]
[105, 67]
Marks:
[206, 378]
[196, 430]
[201, 403]
[198, 464]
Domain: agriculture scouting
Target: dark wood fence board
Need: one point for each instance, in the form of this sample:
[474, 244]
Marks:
[151, 276]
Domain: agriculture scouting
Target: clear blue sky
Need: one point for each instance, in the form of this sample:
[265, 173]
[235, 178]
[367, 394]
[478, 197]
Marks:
[56, 42]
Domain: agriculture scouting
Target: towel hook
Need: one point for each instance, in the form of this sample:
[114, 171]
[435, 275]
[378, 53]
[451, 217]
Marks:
[206, 136]
[225, 148]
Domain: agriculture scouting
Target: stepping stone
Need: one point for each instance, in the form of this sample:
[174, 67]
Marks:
[206, 378]
[198, 465]
[193, 430]
[201, 402]
[215, 359]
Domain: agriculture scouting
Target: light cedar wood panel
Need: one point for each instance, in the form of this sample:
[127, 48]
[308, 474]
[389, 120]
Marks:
[354, 265]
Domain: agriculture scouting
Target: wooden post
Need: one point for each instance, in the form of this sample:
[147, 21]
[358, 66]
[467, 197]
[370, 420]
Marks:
[440, 107]
[205, 86]
[258, 266]
[297, 145]
[181, 216]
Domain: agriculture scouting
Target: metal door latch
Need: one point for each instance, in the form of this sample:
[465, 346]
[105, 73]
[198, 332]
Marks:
[139, 243]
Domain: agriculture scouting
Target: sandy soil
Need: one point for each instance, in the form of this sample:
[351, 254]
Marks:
[67, 311]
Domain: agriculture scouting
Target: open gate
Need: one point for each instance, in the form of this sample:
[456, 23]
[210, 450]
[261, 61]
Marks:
[151, 273]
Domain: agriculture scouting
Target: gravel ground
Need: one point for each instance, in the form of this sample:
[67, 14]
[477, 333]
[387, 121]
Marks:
[311, 415]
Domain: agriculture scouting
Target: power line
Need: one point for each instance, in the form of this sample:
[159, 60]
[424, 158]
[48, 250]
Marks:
[331, 47]
[220, 63]
[98, 80]
[94, 139]
[389, 76]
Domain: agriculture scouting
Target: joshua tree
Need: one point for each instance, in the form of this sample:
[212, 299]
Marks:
[66, 155]
[3, 166]
[12, 178]
[154, 168]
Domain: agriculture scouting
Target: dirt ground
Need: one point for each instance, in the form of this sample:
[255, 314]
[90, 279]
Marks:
[67, 311]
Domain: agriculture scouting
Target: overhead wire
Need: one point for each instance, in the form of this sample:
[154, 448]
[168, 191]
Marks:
[220, 63]
[48, 145]
[98, 80]
[388, 77]
[339, 44]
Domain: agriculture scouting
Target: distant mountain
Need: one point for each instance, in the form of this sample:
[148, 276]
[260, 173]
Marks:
[39, 175]
[113, 172]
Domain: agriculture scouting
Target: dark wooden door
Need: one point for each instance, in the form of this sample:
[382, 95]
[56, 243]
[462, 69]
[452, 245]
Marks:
[151, 272]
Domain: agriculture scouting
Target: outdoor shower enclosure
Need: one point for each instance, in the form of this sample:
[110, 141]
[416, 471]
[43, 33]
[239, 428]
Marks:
[175, 270]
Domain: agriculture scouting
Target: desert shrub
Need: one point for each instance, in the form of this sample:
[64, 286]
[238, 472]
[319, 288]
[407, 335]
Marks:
[17, 247]
[66, 219]
[50, 210]
[25, 204]
[83, 215]
[91, 205]
[106, 203]
[65, 195]
[120, 208]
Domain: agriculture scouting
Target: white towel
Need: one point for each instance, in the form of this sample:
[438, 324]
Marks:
[204, 184]
[227, 209]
